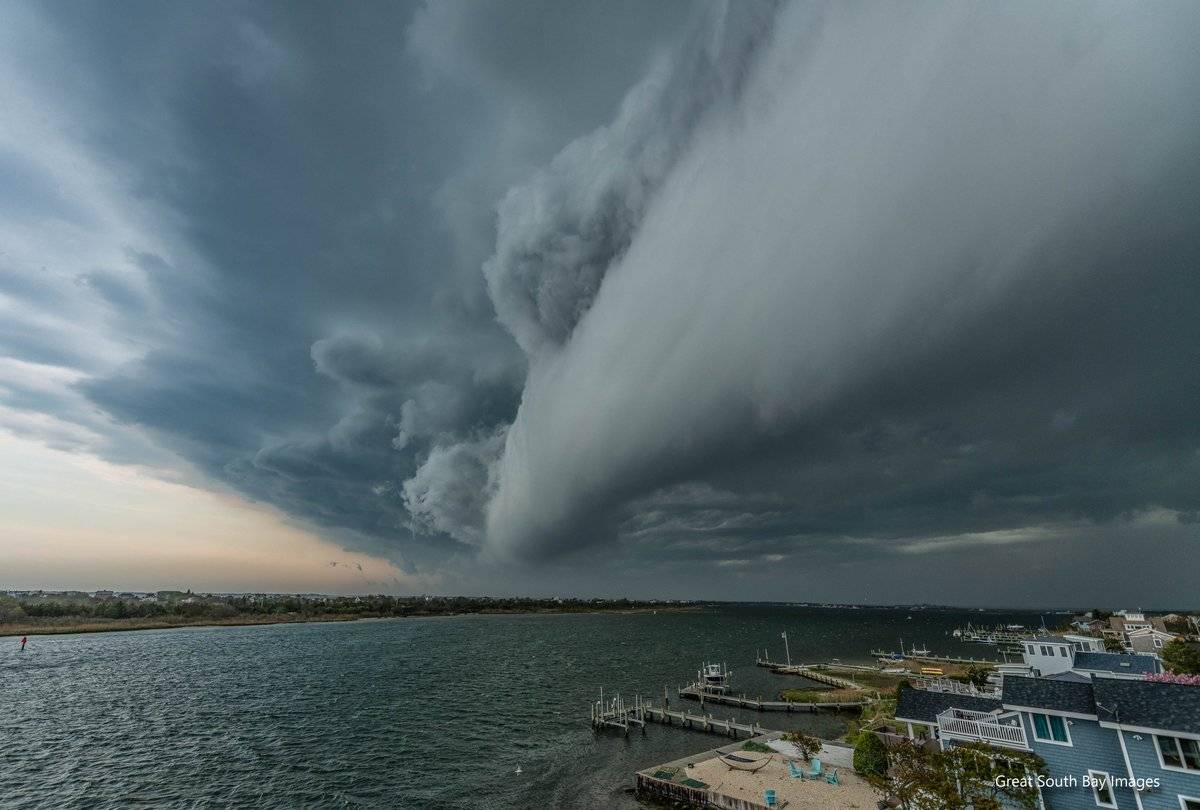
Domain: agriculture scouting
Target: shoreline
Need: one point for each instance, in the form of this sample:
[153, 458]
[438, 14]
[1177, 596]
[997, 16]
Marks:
[13, 629]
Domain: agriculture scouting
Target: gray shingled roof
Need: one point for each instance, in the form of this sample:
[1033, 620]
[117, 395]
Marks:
[1043, 693]
[1169, 706]
[1069, 676]
[918, 704]
[1117, 662]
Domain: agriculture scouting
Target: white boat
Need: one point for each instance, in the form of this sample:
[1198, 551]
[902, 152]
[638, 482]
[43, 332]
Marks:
[713, 677]
[915, 650]
[746, 760]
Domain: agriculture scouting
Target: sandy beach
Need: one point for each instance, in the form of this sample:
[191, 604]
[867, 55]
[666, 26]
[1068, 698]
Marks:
[853, 792]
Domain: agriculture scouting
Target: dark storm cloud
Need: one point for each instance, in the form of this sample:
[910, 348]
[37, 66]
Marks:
[560, 232]
[796, 289]
[940, 293]
[228, 228]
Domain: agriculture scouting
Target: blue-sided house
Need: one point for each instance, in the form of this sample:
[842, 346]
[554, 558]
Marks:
[1109, 742]
[1158, 727]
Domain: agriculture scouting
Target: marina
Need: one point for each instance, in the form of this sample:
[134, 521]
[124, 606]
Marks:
[1010, 635]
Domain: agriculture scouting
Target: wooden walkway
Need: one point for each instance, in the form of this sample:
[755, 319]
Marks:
[760, 705]
[705, 722]
[807, 671]
[616, 713]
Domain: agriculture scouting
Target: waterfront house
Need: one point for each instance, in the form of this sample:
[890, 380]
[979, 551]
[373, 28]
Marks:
[1107, 742]
[1120, 625]
[1148, 640]
[1066, 657]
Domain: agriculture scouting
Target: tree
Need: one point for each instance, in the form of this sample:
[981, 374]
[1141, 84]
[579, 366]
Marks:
[809, 746]
[870, 756]
[1113, 644]
[973, 776]
[1181, 658]
[977, 676]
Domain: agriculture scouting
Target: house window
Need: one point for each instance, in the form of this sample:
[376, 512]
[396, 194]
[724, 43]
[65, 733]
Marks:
[1050, 728]
[1102, 790]
[1046, 650]
[1158, 643]
[1179, 752]
[1062, 651]
[1189, 803]
[1030, 648]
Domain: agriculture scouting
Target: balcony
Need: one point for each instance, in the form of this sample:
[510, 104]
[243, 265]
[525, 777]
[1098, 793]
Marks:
[990, 727]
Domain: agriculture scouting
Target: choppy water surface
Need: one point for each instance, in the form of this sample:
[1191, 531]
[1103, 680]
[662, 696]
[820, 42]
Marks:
[409, 713]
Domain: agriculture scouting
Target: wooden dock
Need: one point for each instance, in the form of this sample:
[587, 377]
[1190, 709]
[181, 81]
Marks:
[760, 705]
[705, 722]
[808, 671]
[616, 713]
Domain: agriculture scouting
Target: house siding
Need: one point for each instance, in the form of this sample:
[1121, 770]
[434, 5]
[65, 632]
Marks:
[1092, 749]
[1144, 761]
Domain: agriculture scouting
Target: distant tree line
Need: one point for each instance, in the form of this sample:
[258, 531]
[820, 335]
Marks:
[210, 606]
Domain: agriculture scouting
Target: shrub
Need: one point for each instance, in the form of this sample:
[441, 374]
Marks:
[870, 756]
[904, 683]
[1181, 658]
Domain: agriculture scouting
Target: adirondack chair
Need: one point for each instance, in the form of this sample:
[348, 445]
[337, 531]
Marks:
[794, 771]
[815, 773]
[769, 798]
[832, 777]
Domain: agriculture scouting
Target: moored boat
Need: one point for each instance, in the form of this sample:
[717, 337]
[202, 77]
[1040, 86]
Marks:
[713, 677]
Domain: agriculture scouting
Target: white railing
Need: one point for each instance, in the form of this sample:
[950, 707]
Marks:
[984, 726]
[953, 687]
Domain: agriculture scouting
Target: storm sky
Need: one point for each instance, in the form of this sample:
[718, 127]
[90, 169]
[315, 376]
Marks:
[854, 301]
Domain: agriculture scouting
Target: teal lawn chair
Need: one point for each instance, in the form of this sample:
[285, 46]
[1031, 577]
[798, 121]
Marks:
[815, 773]
[769, 798]
[832, 778]
[794, 771]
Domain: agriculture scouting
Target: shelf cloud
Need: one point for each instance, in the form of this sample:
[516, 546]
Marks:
[900, 246]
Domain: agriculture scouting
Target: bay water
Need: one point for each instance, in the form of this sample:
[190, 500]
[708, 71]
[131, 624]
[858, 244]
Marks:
[407, 713]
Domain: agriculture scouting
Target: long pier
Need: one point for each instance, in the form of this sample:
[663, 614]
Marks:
[760, 705]
[807, 671]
